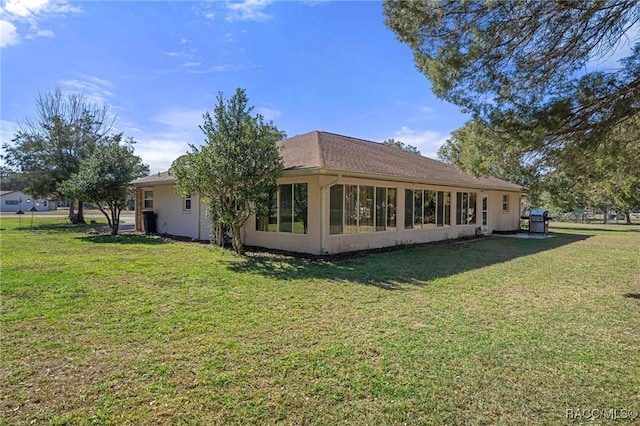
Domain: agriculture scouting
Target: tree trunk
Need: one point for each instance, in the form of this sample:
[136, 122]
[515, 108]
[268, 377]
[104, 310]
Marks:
[72, 209]
[627, 216]
[80, 215]
[606, 213]
[237, 240]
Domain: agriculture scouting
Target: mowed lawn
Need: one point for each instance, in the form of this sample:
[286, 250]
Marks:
[137, 330]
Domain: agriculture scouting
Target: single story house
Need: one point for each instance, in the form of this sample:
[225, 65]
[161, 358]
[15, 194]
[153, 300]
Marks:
[12, 201]
[339, 194]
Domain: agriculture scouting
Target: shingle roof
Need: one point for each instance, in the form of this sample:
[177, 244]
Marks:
[323, 150]
[336, 153]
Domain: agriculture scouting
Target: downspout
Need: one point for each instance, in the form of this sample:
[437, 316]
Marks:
[323, 213]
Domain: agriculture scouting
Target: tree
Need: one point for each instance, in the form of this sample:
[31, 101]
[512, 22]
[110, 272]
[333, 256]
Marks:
[12, 180]
[482, 151]
[235, 171]
[523, 66]
[103, 178]
[403, 146]
[48, 149]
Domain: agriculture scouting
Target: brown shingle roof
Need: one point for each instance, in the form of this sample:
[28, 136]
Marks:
[323, 150]
[328, 151]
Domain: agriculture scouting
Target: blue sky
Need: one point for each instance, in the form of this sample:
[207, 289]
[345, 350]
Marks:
[329, 66]
[313, 65]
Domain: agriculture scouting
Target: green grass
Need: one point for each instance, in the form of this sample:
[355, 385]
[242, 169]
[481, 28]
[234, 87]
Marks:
[129, 329]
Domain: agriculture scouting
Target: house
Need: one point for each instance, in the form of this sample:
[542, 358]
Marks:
[339, 194]
[12, 201]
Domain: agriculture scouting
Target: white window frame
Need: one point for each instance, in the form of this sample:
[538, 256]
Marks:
[187, 204]
[145, 200]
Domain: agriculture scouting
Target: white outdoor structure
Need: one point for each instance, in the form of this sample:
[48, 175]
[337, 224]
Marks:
[12, 201]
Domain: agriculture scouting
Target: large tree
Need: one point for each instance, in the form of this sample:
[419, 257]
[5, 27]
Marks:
[235, 171]
[529, 66]
[49, 147]
[103, 178]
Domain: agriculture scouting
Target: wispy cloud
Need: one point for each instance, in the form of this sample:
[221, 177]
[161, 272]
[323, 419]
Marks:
[94, 89]
[8, 34]
[428, 142]
[268, 113]
[23, 18]
[248, 10]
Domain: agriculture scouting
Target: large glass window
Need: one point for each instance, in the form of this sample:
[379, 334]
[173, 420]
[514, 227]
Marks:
[429, 211]
[466, 208]
[287, 210]
[336, 207]
[300, 205]
[444, 209]
[408, 209]
[361, 209]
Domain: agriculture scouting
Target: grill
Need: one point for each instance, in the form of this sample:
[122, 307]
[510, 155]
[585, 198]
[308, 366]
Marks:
[538, 221]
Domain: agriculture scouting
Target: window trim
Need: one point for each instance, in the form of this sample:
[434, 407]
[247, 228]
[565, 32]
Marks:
[277, 198]
[505, 202]
[145, 200]
[187, 204]
[361, 207]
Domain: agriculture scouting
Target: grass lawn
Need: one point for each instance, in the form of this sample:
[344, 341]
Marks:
[136, 330]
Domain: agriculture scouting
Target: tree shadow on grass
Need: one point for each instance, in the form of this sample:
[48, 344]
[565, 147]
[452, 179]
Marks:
[122, 239]
[621, 227]
[412, 265]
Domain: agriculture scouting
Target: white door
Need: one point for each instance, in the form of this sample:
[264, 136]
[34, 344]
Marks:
[485, 214]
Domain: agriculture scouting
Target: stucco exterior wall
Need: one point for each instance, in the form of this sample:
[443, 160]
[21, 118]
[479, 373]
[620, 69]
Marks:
[320, 241]
[173, 219]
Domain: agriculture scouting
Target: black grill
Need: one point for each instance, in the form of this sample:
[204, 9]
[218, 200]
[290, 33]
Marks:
[538, 221]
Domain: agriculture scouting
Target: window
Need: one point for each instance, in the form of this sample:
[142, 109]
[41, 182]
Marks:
[425, 208]
[443, 217]
[287, 210]
[186, 204]
[11, 202]
[505, 203]
[466, 208]
[385, 209]
[147, 199]
[361, 209]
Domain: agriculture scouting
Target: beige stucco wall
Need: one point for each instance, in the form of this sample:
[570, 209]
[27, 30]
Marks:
[173, 220]
[319, 241]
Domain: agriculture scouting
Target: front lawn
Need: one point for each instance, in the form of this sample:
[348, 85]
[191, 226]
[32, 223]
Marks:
[129, 329]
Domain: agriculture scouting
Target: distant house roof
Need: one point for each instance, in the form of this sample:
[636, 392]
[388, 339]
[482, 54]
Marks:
[2, 193]
[329, 152]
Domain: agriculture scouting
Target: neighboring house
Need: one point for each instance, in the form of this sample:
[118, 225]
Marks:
[12, 201]
[339, 194]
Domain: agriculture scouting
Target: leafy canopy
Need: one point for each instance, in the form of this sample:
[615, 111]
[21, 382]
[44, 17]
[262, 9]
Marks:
[525, 65]
[103, 178]
[399, 144]
[235, 171]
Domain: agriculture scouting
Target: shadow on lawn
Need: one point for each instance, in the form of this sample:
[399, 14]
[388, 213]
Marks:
[122, 239]
[415, 265]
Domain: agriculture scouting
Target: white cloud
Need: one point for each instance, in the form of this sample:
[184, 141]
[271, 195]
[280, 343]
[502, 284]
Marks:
[184, 119]
[159, 152]
[94, 89]
[40, 33]
[248, 10]
[8, 130]
[428, 142]
[24, 17]
[8, 34]
[268, 113]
